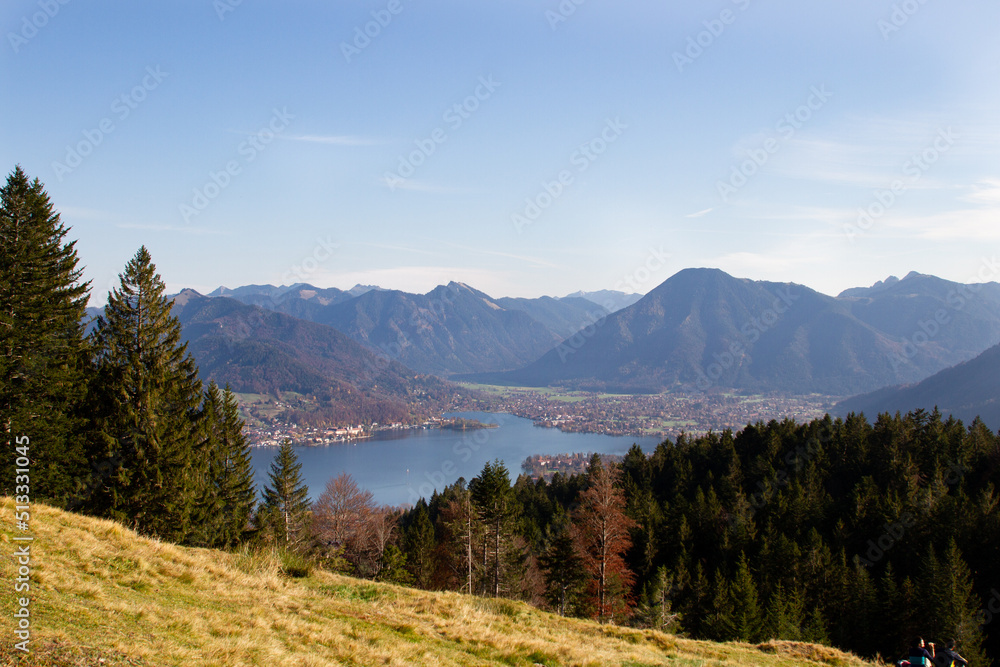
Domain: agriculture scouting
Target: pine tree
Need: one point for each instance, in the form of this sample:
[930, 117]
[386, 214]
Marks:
[236, 486]
[493, 499]
[565, 576]
[717, 623]
[745, 619]
[225, 477]
[286, 499]
[785, 615]
[464, 537]
[955, 607]
[815, 630]
[43, 354]
[149, 398]
[418, 545]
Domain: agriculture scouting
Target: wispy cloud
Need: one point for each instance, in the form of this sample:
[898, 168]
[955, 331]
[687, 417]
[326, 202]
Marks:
[976, 223]
[699, 213]
[866, 152]
[985, 192]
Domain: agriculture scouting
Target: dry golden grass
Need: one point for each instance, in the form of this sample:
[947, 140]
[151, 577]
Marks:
[103, 595]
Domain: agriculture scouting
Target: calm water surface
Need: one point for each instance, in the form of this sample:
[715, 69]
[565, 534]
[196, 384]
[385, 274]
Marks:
[401, 466]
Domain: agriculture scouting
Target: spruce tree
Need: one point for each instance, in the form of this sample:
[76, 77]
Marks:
[745, 618]
[206, 514]
[565, 576]
[785, 615]
[464, 536]
[493, 499]
[956, 608]
[236, 486]
[225, 478]
[43, 355]
[815, 630]
[149, 398]
[717, 623]
[418, 545]
[286, 499]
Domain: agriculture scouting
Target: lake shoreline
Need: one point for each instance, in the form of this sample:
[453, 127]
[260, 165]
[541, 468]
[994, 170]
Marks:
[400, 466]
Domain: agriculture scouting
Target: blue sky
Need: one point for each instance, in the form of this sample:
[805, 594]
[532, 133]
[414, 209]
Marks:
[524, 148]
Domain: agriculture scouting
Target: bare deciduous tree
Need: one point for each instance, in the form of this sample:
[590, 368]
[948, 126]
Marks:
[348, 524]
[602, 533]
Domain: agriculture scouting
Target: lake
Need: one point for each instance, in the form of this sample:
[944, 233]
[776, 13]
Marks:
[399, 467]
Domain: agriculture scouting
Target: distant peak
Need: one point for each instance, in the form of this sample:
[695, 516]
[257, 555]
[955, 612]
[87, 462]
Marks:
[697, 275]
[360, 289]
[891, 280]
[185, 295]
[913, 274]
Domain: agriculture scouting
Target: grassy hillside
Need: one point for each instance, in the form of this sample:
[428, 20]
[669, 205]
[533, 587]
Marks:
[103, 595]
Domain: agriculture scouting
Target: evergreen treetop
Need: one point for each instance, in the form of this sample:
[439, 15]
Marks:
[286, 497]
[43, 356]
[150, 394]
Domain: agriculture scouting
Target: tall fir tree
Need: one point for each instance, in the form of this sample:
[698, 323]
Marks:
[285, 510]
[746, 622]
[785, 615]
[237, 489]
[225, 477]
[149, 399]
[953, 611]
[43, 355]
[418, 545]
[565, 576]
[493, 499]
[464, 536]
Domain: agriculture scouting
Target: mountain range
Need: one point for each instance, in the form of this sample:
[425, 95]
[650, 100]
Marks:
[966, 391]
[451, 329]
[256, 350]
[703, 328]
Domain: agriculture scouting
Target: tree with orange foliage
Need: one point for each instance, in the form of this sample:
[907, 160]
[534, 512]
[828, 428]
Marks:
[602, 533]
